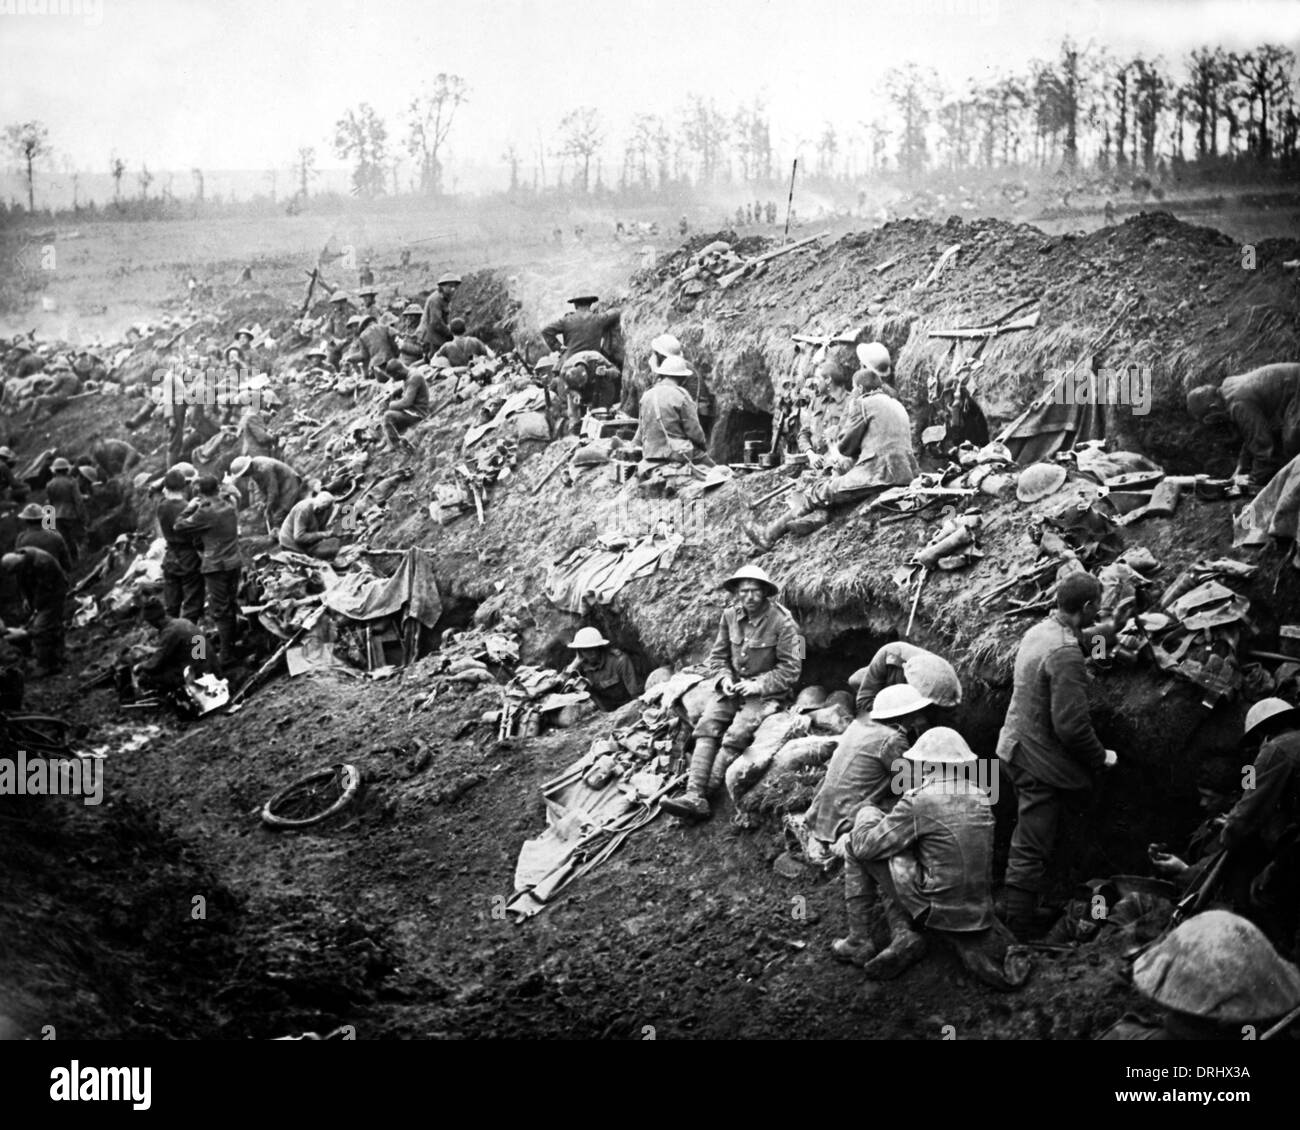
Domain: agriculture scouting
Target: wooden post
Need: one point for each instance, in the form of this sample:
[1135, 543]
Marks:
[789, 204]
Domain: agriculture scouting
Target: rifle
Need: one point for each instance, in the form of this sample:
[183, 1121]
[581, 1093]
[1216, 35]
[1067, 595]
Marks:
[735, 276]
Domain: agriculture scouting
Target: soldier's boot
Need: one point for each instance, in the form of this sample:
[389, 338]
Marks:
[1015, 906]
[718, 771]
[857, 948]
[906, 947]
[693, 804]
[794, 520]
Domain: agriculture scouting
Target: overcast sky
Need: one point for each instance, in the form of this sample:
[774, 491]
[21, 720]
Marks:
[241, 84]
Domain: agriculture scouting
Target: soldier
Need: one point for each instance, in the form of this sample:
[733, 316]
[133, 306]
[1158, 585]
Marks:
[178, 641]
[1213, 975]
[407, 409]
[215, 520]
[12, 489]
[376, 344]
[410, 346]
[610, 677]
[367, 295]
[819, 426]
[1264, 408]
[874, 453]
[182, 579]
[44, 587]
[367, 276]
[463, 347]
[433, 329]
[306, 529]
[63, 494]
[669, 428]
[931, 860]
[755, 662]
[37, 531]
[279, 485]
[582, 330]
[1047, 744]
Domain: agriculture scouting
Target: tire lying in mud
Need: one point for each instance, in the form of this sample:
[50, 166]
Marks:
[313, 799]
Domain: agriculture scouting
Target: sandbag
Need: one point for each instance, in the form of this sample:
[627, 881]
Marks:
[831, 719]
[531, 425]
[697, 698]
[801, 753]
[774, 732]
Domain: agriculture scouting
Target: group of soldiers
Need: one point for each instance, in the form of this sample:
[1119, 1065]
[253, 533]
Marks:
[756, 213]
[43, 540]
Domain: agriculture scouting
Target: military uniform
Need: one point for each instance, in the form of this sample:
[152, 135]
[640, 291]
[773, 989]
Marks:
[165, 666]
[63, 494]
[1264, 405]
[669, 427]
[612, 683]
[44, 586]
[182, 580]
[433, 329]
[279, 484]
[408, 409]
[216, 521]
[769, 648]
[49, 540]
[581, 330]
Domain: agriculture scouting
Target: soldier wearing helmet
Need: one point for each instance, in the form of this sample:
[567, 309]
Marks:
[669, 429]
[1263, 406]
[279, 485]
[611, 679]
[1267, 817]
[39, 530]
[755, 662]
[1213, 975]
[583, 330]
[64, 496]
[306, 529]
[901, 662]
[433, 329]
[930, 859]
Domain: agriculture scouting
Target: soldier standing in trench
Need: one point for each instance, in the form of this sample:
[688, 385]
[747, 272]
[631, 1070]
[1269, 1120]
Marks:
[1047, 745]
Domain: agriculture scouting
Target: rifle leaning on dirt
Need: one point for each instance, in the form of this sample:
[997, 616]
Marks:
[740, 272]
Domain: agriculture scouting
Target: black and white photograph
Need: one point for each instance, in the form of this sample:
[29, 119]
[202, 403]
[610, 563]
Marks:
[533, 520]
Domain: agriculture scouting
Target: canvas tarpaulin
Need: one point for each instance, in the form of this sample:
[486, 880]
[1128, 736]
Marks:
[1062, 416]
[594, 575]
[411, 592]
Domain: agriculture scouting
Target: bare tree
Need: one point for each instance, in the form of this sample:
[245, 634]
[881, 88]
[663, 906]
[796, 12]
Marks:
[1149, 89]
[144, 178]
[305, 167]
[511, 158]
[29, 142]
[827, 147]
[1207, 73]
[641, 144]
[117, 168]
[581, 135]
[705, 131]
[1265, 75]
[431, 114]
[362, 136]
[913, 91]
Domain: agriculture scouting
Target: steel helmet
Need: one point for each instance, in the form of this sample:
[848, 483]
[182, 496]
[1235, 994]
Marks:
[810, 698]
[896, 701]
[317, 351]
[587, 637]
[60, 464]
[32, 512]
[1039, 481]
[340, 296]
[874, 356]
[584, 300]
[7, 453]
[545, 364]
[87, 472]
[1263, 710]
[353, 320]
[239, 466]
[1203, 400]
[750, 573]
[11, 560]
[1221, 967]
[367, 290]
[673, 366]
[321, 499]
[666, 345]
[413, 310]
[934, 677]
[244, 331]
[190, 471]
[449, 279]
[939, 745]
